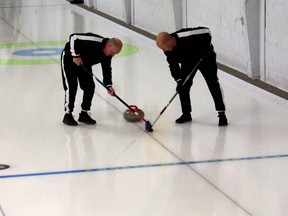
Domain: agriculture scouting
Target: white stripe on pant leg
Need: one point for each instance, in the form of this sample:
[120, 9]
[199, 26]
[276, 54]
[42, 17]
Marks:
[222, 94]
[66, 107]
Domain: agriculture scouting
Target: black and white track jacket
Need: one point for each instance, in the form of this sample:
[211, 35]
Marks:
[90, 47]
[192, 44]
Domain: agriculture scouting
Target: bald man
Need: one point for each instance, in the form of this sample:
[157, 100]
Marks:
[183, 50]
[86, 49]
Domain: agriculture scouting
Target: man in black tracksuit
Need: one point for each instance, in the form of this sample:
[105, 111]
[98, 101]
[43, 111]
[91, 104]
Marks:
[183, 49]
[86, 49]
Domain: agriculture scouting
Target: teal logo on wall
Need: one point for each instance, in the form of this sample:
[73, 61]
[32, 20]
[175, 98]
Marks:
[26, 53]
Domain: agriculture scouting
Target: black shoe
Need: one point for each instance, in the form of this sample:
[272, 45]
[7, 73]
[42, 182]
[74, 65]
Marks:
[77, 1]
[84, 117]
[183, 118]
[69, 120]
[222, 119]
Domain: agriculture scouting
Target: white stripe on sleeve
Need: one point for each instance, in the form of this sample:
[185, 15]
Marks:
[81, 37]
[193, 32]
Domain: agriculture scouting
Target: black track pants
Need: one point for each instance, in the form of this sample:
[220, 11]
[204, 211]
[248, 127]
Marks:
[71, 75]
[208, 68]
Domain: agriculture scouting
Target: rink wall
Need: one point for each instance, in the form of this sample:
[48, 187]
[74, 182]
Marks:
[249, 36]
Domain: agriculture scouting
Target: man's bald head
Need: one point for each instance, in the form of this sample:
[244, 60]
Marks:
[165, 41]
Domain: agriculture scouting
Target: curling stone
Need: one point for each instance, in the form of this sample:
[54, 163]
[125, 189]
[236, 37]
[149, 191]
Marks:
[131, 116]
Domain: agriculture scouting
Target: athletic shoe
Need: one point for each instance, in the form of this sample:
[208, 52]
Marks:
[77, 1]
[69, 120]
[84, 117]
[222, 119]
[184, 118]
